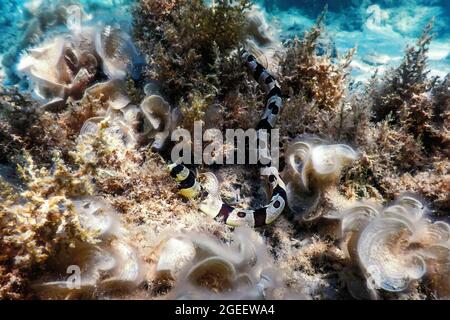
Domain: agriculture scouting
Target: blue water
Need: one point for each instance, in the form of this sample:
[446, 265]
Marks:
[380, 29]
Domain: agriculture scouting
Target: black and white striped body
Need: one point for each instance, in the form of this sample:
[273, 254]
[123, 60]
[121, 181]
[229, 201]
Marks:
[269, 84]
[211, 203]
[188, 185]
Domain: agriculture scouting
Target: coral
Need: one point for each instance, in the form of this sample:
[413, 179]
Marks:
[394, 245]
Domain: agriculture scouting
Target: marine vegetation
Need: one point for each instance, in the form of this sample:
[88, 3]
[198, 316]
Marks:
[396, 245]
[93, 206]
[189, 45]
[39, 222]
[315, 76]
[199, 267]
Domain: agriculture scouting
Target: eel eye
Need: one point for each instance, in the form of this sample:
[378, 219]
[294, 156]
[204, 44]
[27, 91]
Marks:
[241, 214]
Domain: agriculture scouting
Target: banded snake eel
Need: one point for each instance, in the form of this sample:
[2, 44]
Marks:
[210, 201]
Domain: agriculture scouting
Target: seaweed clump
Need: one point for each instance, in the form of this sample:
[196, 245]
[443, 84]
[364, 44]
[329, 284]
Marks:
[190, 45]
[315, 76]
[111, 265]
[404, 98]
[317, 85]
[320, 106]
[38, 222]
[406, 143]
[24, 125]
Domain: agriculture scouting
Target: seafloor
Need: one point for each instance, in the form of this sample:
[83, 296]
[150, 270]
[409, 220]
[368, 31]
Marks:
[91, 89]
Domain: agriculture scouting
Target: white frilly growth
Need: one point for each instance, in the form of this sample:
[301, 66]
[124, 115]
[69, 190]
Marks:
[211, 204]
[97, 216]
[159, 119]
[311, 167]
[397, 244]
[111, 93]
[110, 265]
[125, 122]
[67, 64]
[118, 127]
[204, 268]
[263, 41]
[41, 66]
[117, 52]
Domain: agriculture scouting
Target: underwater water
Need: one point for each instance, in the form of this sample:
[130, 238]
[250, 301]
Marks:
[348, 199]
[380, 29]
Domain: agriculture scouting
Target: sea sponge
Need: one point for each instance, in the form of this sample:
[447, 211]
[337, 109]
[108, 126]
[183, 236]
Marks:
[396, 245]
[311, 167]
[203, 268]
